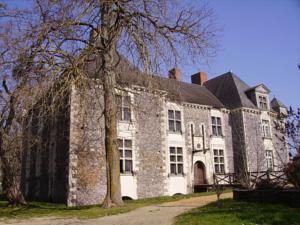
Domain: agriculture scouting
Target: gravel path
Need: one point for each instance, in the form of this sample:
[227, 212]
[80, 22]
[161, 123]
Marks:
[163, 214]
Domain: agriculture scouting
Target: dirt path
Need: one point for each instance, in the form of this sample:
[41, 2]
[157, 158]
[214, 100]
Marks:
[163, 214]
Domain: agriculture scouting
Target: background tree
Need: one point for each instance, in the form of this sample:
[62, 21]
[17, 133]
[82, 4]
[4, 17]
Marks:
[292, 129]
[65, 35]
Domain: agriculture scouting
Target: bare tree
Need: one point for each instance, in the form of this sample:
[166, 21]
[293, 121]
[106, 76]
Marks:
[65, 35]
[289, 128]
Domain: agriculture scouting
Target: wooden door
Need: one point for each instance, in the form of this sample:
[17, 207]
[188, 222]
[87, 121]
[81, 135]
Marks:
[199, 173]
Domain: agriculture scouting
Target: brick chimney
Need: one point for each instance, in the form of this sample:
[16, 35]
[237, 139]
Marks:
[199, 78]
[175, 73]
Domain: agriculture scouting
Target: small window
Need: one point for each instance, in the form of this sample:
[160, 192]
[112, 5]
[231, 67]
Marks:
[219, 162]
[125, 148]
[174, 118]
[216, 126]
[262, 101]
[266, 129]
[269, 159]
[124, 109]
[176, 160]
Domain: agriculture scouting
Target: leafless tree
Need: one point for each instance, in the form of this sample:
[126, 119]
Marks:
[65, 35]
[288, 127]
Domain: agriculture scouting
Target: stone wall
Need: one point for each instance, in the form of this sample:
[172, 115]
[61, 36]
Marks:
[238, 141]
[45, 154]
[150, 147]
[87, 177]
[197, 115]
[254, 146]
[279, 141]
[228, 141]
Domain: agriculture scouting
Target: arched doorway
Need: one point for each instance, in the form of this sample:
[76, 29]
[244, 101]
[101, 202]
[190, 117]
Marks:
[199, 176]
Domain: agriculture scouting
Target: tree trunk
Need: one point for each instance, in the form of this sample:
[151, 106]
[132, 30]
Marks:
[113, 196]
[11, 176]
[108, 41]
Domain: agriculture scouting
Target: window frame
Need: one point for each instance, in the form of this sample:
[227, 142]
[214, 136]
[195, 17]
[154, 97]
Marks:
[175, 120]
[177, 164]
[122, 106]
[216, 126]
[266, 129]
[123, 158]
[269, 159]
[217, 163]
[263, 102]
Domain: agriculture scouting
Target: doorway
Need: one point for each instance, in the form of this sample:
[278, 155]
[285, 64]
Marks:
[199, 174]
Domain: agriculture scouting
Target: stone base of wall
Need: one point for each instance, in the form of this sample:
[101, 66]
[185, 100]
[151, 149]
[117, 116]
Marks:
[287, 197]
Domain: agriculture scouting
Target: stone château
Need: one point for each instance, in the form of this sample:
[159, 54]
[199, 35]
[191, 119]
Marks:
[172, 136]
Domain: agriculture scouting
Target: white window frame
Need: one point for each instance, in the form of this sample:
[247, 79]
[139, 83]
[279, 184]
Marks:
[122, 107]
[219, 160]
[269, 159]
[263, 102]
[176, 160]
[177, 121]
[216, 122]
[266, 129]
[123, 158]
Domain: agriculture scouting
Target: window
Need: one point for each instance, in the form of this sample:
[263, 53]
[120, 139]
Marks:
[174, 120]
[176, 160]
[269, 159]
[125, 148]
[262, 100]
[124, 111]
[266, 129]
[216, 126]
[219, 161]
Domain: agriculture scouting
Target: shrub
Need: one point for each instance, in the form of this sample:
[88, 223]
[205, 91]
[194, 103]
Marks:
[292, 172]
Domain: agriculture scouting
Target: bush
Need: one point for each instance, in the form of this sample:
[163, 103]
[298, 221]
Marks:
[265, 184]
[292, 172]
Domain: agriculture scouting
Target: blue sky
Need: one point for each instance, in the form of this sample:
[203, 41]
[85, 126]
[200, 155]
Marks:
[260, 43]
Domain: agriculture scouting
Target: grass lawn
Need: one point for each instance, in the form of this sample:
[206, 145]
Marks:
[230, 212]
[40, 209]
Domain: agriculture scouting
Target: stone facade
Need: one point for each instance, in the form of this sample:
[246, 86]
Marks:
[45, 155]
[150, 149]
[174, 145]
[87, 168]
[279, 142]
[253, 140]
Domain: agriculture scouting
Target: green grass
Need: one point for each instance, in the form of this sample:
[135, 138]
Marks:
[230, 212]
[41, 209]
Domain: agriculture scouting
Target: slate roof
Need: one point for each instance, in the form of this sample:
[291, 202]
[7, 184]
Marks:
[224, 91]
[180, 91]
[175, 90]
[275, 103]
[230, 90]
[256, 86]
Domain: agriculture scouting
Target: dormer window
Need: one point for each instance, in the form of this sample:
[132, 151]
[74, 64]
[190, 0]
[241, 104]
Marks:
[262, 102]
[259, 96]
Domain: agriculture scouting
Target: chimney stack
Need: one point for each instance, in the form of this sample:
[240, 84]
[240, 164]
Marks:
[175, 73]
[199, 78]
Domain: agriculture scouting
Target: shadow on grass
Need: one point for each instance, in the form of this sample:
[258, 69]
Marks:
[230, 212]
[42, 209]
